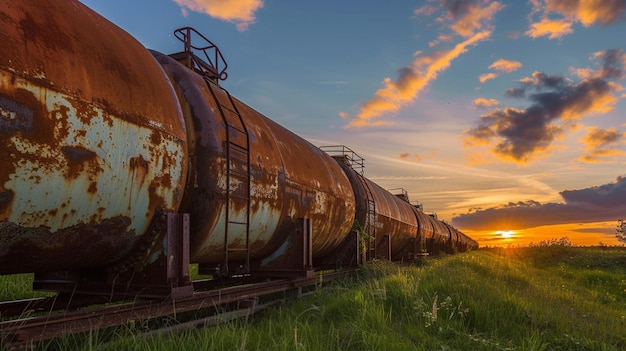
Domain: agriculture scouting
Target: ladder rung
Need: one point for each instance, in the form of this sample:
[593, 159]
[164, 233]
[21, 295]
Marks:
[228, 108]
[236, 128]
[241, 174]
[235, 222]
[241, 148]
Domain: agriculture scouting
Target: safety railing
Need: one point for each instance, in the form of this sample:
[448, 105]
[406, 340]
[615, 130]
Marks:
[355, 161]
[202, 54]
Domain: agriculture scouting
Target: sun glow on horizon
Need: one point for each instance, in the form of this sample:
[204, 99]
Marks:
[505, 233]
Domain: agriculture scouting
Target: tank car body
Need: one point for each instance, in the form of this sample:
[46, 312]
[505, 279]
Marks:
[388, 221]
[87, 156]
[455, 240]
[440, 240]
[426, 230]
[251, 180]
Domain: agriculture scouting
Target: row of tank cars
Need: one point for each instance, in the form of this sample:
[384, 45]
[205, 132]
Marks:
[122, 165]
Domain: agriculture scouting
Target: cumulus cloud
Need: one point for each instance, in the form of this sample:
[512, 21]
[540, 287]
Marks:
[594, 204]
[520, 135]
[240, 12]
[506, 66]
[487, 76]
[485, 103]
[602, 144]
[469, 16]
[569, 12]
[344, 115]
[553, 29]
[469, 19]
[589, 12]
[500, 65]
[515, 92]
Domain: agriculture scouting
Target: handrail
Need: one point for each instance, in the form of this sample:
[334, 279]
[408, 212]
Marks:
[355, 161]
[215, 62]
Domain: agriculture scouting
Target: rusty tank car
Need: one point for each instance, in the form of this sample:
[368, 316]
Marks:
[87, 156]
[121, 166]
[396, 229]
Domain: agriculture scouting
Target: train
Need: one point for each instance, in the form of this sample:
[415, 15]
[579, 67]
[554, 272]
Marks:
[121, 166]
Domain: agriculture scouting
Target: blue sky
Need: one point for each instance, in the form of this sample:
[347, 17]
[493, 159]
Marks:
[497, 115]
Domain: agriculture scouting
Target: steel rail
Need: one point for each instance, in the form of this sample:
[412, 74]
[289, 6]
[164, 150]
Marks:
[33, 329]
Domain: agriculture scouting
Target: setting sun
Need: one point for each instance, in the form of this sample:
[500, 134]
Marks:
[505, 233]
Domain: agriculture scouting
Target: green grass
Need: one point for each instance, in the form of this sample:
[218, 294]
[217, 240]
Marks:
[541, 298]
[18, 286]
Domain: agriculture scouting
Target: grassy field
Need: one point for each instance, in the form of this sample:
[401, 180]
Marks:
[540, 298]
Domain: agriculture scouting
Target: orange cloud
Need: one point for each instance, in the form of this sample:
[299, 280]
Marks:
[487, 76]
[411, 81]
[240, 12]
[469, 16]
[587, 13]
[501, 65]
[601, 144]
[407, 156]
[506, 66]
[553, 29]
[485, 103]
[360, 123]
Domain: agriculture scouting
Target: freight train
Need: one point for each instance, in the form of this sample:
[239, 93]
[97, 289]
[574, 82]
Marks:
[120, 166]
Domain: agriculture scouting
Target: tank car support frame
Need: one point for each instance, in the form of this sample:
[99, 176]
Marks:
[349, 254]
[383, 248]
[165, 277]
[299, 261]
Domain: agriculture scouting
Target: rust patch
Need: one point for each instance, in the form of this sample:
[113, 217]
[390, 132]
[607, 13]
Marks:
[82, 246]
[47, 34]
[138, 169]
[6, 199]
[20, 111]
[121, 69]
[60, 118]
[139, 162]
[155, 200]
[166, 180]
[93, 188]
[79, 160]
[155, 138]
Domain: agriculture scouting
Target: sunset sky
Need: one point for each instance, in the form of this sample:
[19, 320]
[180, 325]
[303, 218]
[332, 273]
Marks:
[497, 115]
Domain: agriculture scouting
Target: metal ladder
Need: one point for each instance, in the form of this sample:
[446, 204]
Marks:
[345, 155]
[237, 148]
[370, 219]
[204, 57]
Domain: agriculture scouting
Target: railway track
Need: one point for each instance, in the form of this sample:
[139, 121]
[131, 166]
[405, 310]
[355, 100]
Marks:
[203, 308]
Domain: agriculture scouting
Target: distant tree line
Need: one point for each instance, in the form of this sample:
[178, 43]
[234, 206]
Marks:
[620, 231]
[564, 241]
